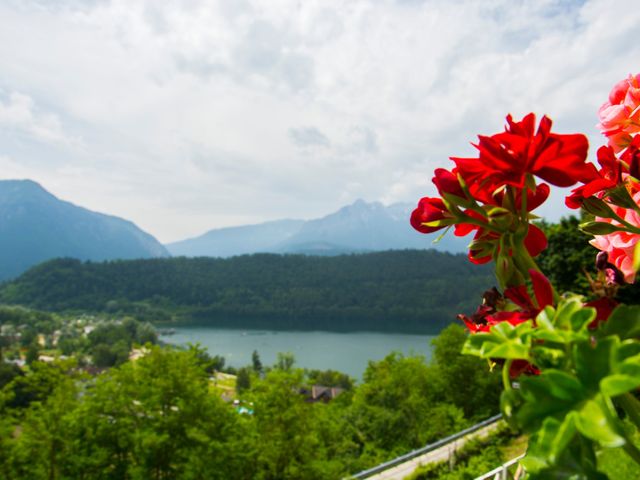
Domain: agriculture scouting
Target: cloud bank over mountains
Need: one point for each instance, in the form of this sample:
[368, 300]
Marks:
[188, 115]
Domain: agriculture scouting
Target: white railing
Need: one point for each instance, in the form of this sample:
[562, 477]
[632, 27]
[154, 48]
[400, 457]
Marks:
[502, 472]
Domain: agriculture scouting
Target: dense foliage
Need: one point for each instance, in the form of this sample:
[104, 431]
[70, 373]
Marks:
[395, 290]
[162, 416]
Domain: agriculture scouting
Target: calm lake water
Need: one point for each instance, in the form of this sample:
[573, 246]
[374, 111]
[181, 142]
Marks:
[346, 352]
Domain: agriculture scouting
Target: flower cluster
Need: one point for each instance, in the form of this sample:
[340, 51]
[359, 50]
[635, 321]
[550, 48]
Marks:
[493, 196]
[612, 193]
[577, 362]
[620, 114]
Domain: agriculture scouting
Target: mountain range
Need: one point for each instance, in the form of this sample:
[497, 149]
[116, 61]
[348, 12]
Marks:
[36, 226]
[356, 228]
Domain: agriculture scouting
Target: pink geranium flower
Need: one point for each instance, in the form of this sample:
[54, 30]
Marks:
[620, 115]
[620, 245]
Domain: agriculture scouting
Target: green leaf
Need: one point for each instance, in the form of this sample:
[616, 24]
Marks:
[549, 442]
[627, 350]
[565, 312]
[577, 462]
[553, 392]
[563, 385]
[473, 344]
[625, 370]
[546, 355]
[503, 341]
[599, 228]
[581, 319]
[509, 350]
[595, 422]
[618, 384]
[593, 362]
[545, 317]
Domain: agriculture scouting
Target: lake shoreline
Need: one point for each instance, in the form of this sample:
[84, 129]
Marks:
[240, 326]
[347, 352]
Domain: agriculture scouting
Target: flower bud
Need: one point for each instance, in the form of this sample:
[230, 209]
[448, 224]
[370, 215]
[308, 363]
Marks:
[430, 210]
[447, 182]
[602, 260]
[599, 228]
[597, 207]
[614, 276]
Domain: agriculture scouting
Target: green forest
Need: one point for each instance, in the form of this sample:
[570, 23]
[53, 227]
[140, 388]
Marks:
[169, 414]
[402, 291]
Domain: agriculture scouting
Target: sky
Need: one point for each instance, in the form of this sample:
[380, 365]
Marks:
[188, 115]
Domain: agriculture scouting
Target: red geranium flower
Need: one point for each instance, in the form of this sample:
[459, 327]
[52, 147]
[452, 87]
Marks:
[447, 183]
[609, 176]
[428, 210]
[620, 114]
[506, 158]
[488, 314]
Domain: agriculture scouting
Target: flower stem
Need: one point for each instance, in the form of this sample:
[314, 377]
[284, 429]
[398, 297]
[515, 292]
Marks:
[523, 208]
[472, 221]
[506, 377]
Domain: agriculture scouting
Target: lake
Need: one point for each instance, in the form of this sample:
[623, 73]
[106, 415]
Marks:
[346, 352]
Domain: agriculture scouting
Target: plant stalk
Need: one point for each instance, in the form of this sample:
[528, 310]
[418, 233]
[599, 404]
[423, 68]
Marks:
[506, 377]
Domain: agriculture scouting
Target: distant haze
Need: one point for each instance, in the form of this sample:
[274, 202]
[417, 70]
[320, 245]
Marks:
[360, 227]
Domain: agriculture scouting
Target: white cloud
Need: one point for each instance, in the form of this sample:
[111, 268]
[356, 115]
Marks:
[195, 114]
[308, 137]
[18, 112]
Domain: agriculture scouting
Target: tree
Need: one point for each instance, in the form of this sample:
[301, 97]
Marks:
[156, 418]
[103, 356]
[209, 363]
[287, 429]
[33, 352]
[243, 380]
[255, 362]
[396, 408]
[463, 380]
[567, 256]
[43, 450]
[285, 361]
[8, 371]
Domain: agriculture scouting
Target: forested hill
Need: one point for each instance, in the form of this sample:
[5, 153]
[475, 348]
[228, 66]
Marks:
[410, 290]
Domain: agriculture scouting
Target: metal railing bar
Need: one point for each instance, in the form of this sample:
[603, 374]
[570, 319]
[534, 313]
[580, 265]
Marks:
[501, 468]
[426, 449]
